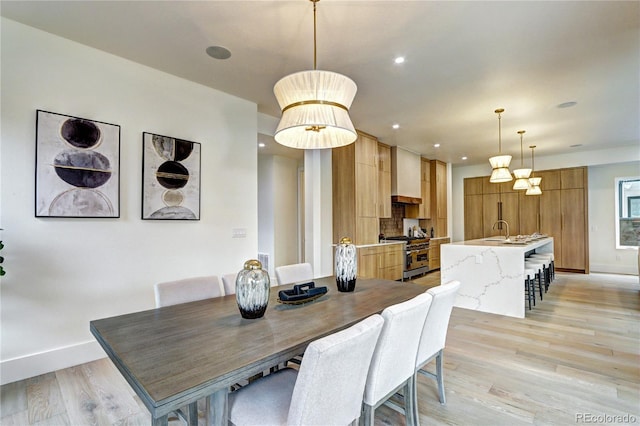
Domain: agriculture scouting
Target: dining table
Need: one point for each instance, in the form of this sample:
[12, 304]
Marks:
[175, 355]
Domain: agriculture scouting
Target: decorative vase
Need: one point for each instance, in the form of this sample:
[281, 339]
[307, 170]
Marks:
[346, 265]
[252, 290]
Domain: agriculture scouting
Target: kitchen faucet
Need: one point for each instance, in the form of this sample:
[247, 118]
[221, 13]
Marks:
[506, 223]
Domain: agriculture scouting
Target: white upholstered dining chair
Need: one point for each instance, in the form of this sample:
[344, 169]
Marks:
[295, 273]
[229, 283]
[394, 359]
[327, 390]
[183, 291]
[434, 335]
[187, 290]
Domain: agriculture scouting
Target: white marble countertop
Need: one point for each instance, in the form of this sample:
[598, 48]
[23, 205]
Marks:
[500, 242]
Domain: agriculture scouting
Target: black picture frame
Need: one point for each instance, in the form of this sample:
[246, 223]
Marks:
[77, 167]
[170, 178]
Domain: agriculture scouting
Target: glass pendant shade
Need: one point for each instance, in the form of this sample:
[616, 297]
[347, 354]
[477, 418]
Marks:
[521, 183]
[521, 174]
[315, 110]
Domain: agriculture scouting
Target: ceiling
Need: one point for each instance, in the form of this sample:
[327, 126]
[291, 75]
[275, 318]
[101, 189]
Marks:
[463, 60]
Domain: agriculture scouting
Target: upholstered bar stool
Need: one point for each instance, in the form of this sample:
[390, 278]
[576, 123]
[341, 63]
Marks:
[538, 269]
[550, 257]
[546, 268]
[530, 286]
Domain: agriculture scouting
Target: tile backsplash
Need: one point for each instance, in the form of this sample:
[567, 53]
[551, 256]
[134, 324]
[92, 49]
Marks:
[393, 225]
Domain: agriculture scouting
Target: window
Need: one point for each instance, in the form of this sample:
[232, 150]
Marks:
[627, 212]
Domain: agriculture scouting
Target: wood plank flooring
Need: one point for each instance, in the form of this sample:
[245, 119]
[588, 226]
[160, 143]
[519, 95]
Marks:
[575, 356]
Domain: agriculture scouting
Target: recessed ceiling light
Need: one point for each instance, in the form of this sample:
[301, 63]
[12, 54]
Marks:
[218, 52]
[464, 158]
[436, 145]
[567, 104]
[396, 126]
[399, 60]
[261, 145]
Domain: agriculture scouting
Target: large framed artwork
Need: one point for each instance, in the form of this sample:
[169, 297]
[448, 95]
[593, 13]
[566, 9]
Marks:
[77, 167]
[170, 178]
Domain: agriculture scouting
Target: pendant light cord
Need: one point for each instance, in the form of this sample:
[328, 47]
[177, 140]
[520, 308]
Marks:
[314, 33]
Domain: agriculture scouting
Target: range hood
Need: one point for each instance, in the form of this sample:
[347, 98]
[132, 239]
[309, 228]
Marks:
[405, 176]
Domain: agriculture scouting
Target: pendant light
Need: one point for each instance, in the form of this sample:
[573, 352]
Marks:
[521, 174]
[500, 163]
[534, 181]
[315, 107]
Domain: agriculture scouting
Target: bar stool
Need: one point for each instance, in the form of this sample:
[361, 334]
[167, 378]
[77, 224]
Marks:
[546, 268]
[529, 286]
[550, 257]
[538, 269]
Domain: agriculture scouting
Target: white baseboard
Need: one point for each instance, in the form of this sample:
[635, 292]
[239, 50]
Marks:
[614, 269]
[21, 368]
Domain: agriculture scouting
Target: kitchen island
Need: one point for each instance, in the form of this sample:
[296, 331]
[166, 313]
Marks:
[491, 272]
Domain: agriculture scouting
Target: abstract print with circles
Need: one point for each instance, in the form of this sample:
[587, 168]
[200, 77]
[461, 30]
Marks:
[170, 178]
[77, 167]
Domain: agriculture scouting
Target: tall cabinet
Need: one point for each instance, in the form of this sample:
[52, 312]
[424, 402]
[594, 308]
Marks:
[438, 172]
[561, 212]
[355, 190]
[384, 180]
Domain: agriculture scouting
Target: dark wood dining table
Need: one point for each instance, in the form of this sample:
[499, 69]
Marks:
[178, 354]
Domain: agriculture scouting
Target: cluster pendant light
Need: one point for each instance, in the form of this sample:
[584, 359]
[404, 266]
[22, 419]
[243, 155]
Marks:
[521, 174]
[315, 107]
[533, 181]
[500, 163]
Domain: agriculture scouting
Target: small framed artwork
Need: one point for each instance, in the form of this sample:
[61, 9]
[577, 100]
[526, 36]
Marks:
[77, 167]
[170, 178]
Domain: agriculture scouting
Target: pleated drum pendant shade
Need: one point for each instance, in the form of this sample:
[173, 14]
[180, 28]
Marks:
[315, 110]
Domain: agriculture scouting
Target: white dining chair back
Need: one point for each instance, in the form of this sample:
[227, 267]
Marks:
[229, 283]
[295, 273]
[394, 359]
[187, 290]
[327, 389]
[434, 335]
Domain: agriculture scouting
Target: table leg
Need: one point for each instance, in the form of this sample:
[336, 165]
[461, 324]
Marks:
[217, 408]
[160, 421]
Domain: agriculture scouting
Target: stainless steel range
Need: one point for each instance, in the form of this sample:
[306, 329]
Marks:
[416, 255]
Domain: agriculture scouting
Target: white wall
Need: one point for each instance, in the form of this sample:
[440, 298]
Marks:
[602, 164]
[62, 273]
[278, 207]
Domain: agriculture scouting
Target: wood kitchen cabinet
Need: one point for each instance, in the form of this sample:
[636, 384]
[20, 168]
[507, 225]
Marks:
[423, 210]
[355, 190]
[561, 212]
[473, 216]
[434, 252]
[384, 261]
[384, 180]
[438, 195]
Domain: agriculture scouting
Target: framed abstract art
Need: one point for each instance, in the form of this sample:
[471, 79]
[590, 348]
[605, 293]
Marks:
[77, 167]
[170, 178]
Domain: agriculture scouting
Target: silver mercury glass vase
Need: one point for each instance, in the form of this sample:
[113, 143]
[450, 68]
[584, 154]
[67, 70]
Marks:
[346, 268]
[252, 290]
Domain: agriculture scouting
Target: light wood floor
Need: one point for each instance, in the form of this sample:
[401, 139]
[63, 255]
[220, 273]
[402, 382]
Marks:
[577, 354]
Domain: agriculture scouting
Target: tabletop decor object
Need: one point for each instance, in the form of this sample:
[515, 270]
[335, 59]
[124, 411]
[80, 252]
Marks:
[346, 265]
[301, 293]
[252, 290]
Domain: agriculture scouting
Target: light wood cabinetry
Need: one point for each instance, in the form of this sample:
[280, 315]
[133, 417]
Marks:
[434, 252]
[561, 212]
[438, 195]
[355, 191]
[385, 261]
[384, 180]
[422, 210]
